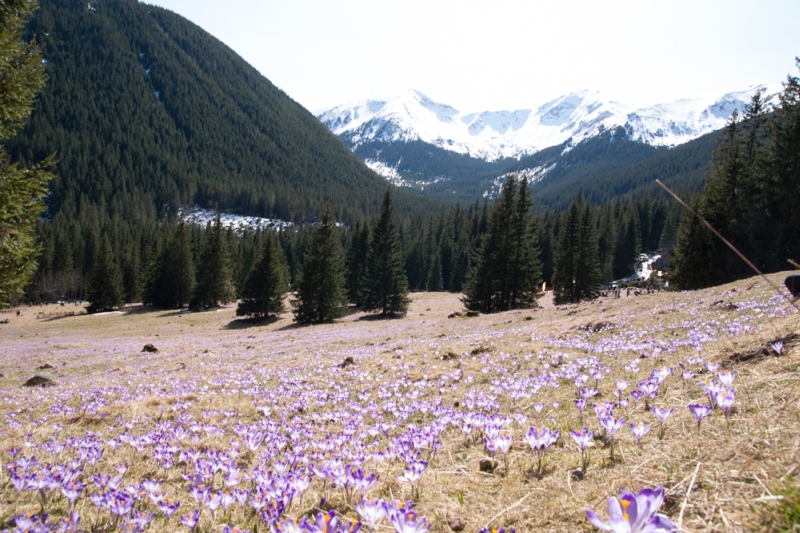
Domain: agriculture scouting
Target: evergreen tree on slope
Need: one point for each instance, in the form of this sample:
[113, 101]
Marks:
[105, 290]
[356, 266]
[507, 269]
[386, 285]
[214, 278]
[265, 286]
[21, 77]
[174, 276]
[321, 288]
[576, 270]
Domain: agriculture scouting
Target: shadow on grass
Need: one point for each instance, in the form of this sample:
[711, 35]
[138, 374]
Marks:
[380, 316]
[147, 310]
[245, 323]
[66, 314]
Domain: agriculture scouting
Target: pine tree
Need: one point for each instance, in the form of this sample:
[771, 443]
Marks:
[265, 286]
[587, 280]
[321, 289]
[356, 264]
[131, 277]
[693, 262]
[386, 285]
[21, 77]
[214, 278]
[174, 275]
[525, 271]
[576, 274]
[507, 270]
[720, 206]
[780, 182]
[434, 282]
[105, 290]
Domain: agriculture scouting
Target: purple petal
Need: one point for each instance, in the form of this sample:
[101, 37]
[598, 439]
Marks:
[595, 520]
[619, 524]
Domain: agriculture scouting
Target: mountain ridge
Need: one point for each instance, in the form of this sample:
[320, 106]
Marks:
[491, 135]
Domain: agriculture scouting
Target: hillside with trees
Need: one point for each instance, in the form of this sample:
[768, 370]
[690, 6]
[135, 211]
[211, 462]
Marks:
[148, 112]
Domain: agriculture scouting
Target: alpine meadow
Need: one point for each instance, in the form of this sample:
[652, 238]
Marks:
[221, 313]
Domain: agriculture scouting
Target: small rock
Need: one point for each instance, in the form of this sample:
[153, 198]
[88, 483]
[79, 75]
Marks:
[456, 524]
[577, 475]
[449, 356]
[44, 366]
[473, 313]
[528, 318]
[455, 404]
[453, 315]
[150, 348]
[348, 361]
[487, 465]
[39, 381]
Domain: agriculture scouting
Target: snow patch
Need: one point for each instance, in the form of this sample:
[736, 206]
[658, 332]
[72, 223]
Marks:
[390, 173]
[202, 217]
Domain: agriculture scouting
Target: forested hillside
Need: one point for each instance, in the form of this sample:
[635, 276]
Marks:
[603, 167]
[146, 111]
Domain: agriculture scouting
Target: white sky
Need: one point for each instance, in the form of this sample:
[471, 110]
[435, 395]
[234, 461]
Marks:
[504, 54]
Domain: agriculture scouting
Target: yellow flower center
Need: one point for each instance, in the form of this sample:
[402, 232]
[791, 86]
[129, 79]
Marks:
[625, 504]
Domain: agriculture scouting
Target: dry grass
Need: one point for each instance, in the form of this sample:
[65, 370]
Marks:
[208, 365]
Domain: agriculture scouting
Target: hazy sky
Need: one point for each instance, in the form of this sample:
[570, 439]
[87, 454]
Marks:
[493, 55]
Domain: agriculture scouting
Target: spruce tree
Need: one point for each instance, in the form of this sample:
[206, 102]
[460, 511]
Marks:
[214, 278]
[321, 288]
[434, 282]
[526, 268]
[174, 274]
[507, 270]
[587, 281]
[105, 291]
[356, 264]
[386, 285]
[21, 189]
[131, 277]
[265, 286]
[576, 274]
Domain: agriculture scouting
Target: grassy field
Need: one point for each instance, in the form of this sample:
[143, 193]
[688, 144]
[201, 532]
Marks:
[249, 408]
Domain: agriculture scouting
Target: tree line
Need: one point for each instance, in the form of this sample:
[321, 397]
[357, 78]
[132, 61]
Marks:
[750, 196]
[497, 254]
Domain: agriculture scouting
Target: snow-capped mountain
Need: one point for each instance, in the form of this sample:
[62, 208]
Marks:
[491, 135]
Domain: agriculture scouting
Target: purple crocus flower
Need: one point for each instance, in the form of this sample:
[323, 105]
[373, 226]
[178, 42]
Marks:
[121, 504]
[234, 529]
[501, 530]
[168, 507]
[661, 413]
[70, 523]
[700, 411]
[371, 511]
[323, 523]
[777, 346]
[71, 491]
[611, 425]
[726, 377]
[408, 522]
[640, 430]
[581, 405]
[191, 520]
[584, 439]
[635, 513]
[540, 440]
[725, 399]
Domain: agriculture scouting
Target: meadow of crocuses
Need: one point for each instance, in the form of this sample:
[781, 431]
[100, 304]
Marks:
[619, 414]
